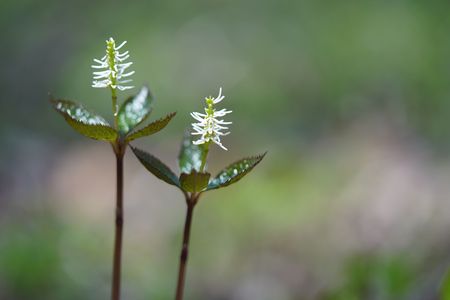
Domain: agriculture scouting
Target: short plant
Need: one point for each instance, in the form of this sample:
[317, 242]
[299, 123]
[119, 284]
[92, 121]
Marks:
[194, 180]
[110, 72]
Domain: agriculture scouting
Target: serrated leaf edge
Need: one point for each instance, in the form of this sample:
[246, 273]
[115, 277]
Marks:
[131, 136]
[175, 182]
[70, 118]
[258, 159]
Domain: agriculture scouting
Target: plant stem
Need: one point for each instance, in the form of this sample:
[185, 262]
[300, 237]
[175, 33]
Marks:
[115, 295]
[184, 250]
[115, 107]
[204, 155]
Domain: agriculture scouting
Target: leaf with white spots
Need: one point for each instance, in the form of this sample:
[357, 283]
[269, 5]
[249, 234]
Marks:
[156, 167]
[234, 172]
[134, 110]
[190, 156]
[84, 121]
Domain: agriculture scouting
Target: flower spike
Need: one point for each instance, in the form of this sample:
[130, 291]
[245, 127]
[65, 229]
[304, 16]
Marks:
[209, 127]
[114, 66]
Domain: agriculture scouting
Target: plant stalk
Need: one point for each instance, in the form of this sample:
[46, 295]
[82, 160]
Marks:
[204, 155]
[115, 108]
[115, 294]
[184, 250]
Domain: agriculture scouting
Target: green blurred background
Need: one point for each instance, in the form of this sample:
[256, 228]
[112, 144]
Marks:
[351, 99]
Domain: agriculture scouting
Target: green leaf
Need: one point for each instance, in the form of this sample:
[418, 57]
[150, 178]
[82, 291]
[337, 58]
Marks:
[235, 172]
[194, 182]
[84, 121]
[134, 110]
[190, 156]
[156, 167]
[151, 128]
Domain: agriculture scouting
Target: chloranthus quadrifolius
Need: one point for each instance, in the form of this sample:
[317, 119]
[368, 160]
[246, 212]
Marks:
[193, 179]
[111, 72]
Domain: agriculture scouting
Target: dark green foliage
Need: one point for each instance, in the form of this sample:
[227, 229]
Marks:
[132, 113]
[156, 167]
[84, 121]
[234, 172]
[190, 160]
[194, 182]
[151, 128]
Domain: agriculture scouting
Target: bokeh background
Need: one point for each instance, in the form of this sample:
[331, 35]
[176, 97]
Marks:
[351, 99]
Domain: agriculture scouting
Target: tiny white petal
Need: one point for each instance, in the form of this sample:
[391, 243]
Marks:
[127, 74]
[107, 72]
[123, 54]
[98, 61]
[123, 88]
[121, 45]
[121, 59]
[99, 67]
[223, 122]
[123, 66]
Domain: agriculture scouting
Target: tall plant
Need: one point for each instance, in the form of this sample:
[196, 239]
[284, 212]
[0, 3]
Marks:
[194, 180]
[111, 72]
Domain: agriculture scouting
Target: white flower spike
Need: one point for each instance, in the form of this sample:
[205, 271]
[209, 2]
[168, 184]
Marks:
[114, 66]
[209, 127]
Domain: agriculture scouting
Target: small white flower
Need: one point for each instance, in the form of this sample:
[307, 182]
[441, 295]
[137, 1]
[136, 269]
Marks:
[114, 66]
[209, 127]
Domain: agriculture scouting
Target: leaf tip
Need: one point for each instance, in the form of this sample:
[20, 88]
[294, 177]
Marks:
[257, 158]
[262, 155]
[171, 115]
